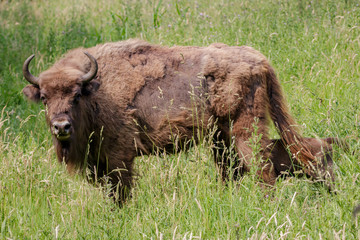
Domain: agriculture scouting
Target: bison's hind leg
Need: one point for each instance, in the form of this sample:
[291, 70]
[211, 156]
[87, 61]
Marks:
[230, 167]
[236, 157]
[250, 131]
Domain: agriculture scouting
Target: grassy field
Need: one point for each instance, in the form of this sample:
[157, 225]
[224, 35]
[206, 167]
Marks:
[314, 47]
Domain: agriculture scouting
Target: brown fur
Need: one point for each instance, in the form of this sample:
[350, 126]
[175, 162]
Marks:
[284, 163]
[146, 95]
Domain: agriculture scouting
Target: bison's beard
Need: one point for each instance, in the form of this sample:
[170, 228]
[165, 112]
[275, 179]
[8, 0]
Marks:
[71, 152]
[62, 149]
[75, 151]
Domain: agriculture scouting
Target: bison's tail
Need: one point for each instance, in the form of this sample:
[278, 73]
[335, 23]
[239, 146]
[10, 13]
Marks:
[286, 125]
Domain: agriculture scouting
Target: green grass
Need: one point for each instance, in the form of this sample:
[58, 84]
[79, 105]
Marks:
[314, 47]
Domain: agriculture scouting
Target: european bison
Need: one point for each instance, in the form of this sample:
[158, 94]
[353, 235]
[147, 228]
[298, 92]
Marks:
[107, 104]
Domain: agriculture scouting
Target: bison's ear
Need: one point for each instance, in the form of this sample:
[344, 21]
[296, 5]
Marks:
[91, 87]
[32, 93]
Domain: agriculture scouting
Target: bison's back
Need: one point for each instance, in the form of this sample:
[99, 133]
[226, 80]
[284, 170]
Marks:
[132, 68]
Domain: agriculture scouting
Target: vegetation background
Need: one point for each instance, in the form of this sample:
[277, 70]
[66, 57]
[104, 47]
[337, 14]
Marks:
[314, 47]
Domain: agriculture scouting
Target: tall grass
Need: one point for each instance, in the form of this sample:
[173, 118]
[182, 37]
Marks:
[314, 47]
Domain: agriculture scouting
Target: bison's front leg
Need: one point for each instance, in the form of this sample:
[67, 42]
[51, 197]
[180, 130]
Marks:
[120, 173]
[114, 173]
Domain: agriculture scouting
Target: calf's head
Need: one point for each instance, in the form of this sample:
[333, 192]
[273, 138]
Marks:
[62, 89]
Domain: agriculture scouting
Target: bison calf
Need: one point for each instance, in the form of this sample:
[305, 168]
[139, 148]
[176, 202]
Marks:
[107, 104]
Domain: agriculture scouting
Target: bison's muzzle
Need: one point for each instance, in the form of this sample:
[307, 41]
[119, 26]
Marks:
[61, 128]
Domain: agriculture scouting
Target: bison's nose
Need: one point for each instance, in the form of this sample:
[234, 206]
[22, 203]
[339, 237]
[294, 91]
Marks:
[62, 129]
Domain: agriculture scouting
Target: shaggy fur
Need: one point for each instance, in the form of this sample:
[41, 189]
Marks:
[146, 95]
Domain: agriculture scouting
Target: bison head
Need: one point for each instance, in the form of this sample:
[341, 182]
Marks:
[62, 90]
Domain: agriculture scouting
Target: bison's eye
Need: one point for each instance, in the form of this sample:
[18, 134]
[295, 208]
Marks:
[77, 97]
[43, 99]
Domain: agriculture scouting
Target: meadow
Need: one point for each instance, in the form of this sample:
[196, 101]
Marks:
[314, 47]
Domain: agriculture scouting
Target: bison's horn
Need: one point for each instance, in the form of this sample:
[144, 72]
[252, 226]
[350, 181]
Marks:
[28, 76]
[93, 69]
